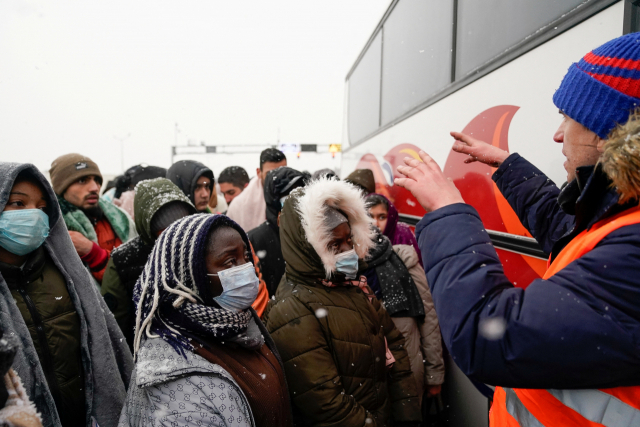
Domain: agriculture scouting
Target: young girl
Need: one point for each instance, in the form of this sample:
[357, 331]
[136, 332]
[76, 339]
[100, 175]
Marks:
[386, 218]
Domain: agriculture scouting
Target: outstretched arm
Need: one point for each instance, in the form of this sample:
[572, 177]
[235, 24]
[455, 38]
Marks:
[565, 332]
[529, 192]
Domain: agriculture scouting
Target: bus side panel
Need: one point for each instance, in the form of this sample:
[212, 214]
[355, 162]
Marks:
[511, 108]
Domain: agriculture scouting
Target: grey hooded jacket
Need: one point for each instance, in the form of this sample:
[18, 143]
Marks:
[168, 389]
[106, 359]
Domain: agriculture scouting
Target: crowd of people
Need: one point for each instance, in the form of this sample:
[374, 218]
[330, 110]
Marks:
[170, 297]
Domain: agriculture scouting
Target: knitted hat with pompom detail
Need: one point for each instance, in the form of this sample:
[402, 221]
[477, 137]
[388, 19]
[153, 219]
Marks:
[602, 89]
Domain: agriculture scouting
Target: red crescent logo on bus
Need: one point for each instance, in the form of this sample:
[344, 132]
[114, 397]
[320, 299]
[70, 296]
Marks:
[474, 182]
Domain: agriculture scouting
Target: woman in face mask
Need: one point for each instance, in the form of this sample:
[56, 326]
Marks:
[72, 358]
[202, 355]
[344, 360]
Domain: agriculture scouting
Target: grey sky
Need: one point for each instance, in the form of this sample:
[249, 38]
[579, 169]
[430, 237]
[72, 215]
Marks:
[77, 75]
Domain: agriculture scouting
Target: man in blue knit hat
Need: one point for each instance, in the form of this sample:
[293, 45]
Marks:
[565, 351]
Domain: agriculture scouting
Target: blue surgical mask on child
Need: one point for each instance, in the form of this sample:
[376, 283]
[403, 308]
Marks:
[24, 230]
[239, 287]
[347, 263]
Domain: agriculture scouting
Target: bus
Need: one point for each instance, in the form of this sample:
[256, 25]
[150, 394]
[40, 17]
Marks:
[488, 68]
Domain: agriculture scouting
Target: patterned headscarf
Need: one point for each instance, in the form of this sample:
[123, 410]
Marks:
[173, 294]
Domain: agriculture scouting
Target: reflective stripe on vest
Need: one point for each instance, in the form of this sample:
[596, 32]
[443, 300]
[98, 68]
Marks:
[614, 407]
[563, 408]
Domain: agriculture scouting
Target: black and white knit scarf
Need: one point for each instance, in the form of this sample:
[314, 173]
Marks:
[172, 293]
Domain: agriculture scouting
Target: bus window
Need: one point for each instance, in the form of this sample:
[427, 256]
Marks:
[364, 93]
[416, 54]
[487, 28]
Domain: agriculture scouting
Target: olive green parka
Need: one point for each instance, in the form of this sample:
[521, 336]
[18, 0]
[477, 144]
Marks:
[332, 339]
[128, 260]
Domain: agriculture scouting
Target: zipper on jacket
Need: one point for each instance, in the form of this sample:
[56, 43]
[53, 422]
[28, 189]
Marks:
[47, 363]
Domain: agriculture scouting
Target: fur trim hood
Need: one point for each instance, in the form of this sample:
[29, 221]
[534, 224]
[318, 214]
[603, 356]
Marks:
[304, 235]
[621, 158]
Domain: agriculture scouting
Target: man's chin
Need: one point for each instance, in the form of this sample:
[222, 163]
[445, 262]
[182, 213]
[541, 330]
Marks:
[92, 210]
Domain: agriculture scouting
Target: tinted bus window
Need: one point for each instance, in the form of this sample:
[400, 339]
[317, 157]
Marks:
[364, 93]
[487, 28]
[416, 54]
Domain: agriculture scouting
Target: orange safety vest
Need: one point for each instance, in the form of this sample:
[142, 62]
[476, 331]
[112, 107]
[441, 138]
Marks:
[611, 407]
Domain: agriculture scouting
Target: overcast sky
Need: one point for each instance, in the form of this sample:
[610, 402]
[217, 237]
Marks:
[79, 76]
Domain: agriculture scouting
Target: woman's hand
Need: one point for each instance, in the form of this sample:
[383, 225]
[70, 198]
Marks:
[478, 151]
[427, 183]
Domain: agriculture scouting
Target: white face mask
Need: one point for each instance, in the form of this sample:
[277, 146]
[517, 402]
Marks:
[239, 287]
[347, 263]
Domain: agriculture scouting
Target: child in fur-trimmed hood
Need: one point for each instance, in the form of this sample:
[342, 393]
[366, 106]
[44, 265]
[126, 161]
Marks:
[332, 333]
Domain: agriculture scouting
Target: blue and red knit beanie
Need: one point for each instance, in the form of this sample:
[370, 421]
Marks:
[602, 89]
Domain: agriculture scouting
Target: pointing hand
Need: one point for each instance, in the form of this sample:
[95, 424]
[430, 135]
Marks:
[478, 151]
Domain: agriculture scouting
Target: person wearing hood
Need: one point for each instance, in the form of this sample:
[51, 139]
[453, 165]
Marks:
[125, 184]
[72, 358]
[386, 218]
[344, 359]
[265, 239]
[195, 180]
[158, 202]
[248, 209]
[95, 225]
[363, 179]
[567, 343]
[203, 357]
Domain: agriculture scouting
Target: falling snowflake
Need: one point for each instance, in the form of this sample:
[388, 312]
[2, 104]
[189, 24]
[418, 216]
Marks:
[493, 328]
[321, 312]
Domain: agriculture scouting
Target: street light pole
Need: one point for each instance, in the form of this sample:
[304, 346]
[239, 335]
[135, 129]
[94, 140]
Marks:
[122, 139]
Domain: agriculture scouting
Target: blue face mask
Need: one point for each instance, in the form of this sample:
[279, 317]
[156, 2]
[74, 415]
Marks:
[23, 231]
[239, 287]
[347, 263]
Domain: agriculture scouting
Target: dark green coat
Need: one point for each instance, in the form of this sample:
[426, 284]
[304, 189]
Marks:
[332, 341]
[42, 297]
[128, 260]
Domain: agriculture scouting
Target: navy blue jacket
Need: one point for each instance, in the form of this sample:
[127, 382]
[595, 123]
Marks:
[579, 329]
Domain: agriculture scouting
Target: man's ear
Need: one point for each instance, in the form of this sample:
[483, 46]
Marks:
[600, 144]
[258, 171]
[245, 186]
